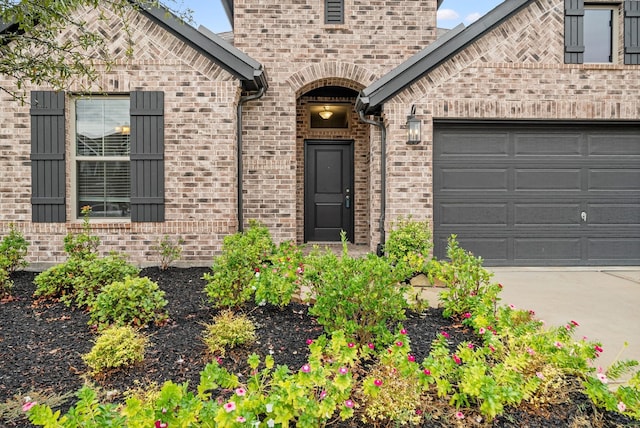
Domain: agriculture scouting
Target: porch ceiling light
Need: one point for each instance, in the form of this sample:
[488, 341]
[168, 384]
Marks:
[326, 113]
[413, 128]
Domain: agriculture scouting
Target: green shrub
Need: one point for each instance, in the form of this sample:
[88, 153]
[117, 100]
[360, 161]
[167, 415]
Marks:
[233, 270]
[469, 287]
[6, 285]
[80, 279]
[116, 347]
[358, 296]
[278, 278]
[168, 251]
[134, 301]
[228, 330]
[409, 244]
[84, 243]
[13, 250]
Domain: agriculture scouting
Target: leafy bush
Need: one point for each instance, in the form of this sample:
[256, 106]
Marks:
[279, 277]
[468, 283]
[359, 296]
[6, 285]
[82, 244]
[233, 270]
[168, 251]
[116, 347]
[409, 244]
[134, 301]
[13, 250]
[228, 331]
[80, 279]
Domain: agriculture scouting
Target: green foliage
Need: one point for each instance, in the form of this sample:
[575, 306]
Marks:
[468, 283]
[233, 270]
[6, 284]
[359, 296]
[116, 347]
[280, 276]
[228, 330]
[168, 251]
[80, 279]
[83, 244]
[13, 250]
[409, 243]
[134, 301]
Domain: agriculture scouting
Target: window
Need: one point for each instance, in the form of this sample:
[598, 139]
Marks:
[598, 34]
[329, 115]
[334, 11]
[102, 148]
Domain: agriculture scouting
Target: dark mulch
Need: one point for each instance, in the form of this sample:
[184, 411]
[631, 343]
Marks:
[41, 344]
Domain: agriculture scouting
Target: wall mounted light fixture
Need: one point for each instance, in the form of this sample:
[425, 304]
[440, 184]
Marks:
[413, 128]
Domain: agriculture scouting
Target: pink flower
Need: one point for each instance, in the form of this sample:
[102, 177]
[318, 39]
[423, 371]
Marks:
[459, 415]
[377, 382]
[160, 424]
[343, 370]
[598, 348]
[482, 330]
[28, 405]
[241, 392]
[470, 346]
[602, 377]
[371, 345]
[309, 341]
[230, 406]
[445, 334]
[305, 369]
[399, 344]
[411, 358]
[323, 394]
[418, 412]
[351, 344]
[456, 359]
[558, 345]
[403, 331]
[531, 351]
[491, 347]
[512, 306]
[299, 271]
[427, 372]
[348, 404]
[622, 407]
[575, 323]
[241, 419]
[467, 315]
[540, 375]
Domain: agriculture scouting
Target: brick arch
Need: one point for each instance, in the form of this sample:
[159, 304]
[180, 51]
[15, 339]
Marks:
[330, 74]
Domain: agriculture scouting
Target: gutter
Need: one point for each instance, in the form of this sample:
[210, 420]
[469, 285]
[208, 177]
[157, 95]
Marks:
[243, 100]
[383, 176]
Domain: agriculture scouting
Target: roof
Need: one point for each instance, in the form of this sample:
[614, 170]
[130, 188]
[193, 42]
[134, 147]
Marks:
[372, 97]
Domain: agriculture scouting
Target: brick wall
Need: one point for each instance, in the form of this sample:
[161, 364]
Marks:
[200, 151]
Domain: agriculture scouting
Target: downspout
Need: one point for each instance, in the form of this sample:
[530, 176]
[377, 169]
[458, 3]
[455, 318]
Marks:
[383, 178]
[243, 100]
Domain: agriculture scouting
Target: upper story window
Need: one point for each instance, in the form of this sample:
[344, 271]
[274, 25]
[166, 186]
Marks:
[593, 31]
[334, 11]
[102, 165]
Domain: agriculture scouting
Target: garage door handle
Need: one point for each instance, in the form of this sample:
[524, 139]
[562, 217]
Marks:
[583, 216]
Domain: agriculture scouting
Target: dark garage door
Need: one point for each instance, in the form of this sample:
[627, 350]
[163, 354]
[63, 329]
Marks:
[539, 194]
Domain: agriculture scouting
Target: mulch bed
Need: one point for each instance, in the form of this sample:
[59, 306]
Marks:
[41, 344]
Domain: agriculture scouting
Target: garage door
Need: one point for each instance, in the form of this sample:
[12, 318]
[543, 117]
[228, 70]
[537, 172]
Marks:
[539, 194]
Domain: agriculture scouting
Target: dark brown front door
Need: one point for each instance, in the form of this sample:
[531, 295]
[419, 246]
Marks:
[328, 190]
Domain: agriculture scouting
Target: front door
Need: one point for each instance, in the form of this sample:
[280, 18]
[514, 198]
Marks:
[328, 186]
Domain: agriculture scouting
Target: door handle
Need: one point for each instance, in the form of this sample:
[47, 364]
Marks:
[583, 216]
[347, 199]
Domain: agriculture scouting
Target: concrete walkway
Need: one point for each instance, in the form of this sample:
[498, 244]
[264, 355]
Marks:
[606, 303]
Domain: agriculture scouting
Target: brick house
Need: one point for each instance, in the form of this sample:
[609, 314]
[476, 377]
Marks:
[527, 146]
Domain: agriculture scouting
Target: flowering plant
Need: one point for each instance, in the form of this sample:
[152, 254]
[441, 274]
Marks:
[279, 276]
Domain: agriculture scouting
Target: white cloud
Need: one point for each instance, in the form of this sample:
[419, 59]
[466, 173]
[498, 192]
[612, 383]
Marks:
[447, 15]
[472, 18]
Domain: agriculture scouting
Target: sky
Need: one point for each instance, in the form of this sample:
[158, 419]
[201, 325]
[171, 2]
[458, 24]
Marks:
[210, 13]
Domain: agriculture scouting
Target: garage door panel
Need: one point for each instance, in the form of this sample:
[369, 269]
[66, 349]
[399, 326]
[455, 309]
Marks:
[608, 251]
[547, 248]
[473, 214]
[456, 144]
[613, 145]
[493, 250]
[622, 179]
[464, 179]
[614, 214]
[544, 144]
[548, 179]
[559, 214]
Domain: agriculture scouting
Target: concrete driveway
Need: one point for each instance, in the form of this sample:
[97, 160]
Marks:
[606, 303]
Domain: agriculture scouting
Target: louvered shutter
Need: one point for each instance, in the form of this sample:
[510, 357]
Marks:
[632, 32]
[334, 11]
[147, 156]
[48, 179]
[573, 31]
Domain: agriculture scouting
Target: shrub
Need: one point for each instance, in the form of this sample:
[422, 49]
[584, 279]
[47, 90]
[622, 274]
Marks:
[134, 301]
[228, 331]
[80, 279]
[242, 253]
[278, 278]
[168, 251]
[359, 296]
[82, 244]
[409, 244]
[468, 283]
[13, 250]
[116, 347]
[6, 285]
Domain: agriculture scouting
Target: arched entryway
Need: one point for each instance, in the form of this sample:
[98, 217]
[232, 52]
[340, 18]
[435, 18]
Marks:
[333, 159]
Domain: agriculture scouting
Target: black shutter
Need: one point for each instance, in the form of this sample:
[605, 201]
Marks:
[147, 156]
[632, 32]
[48, 179]
[334, 11]
[573, 31]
